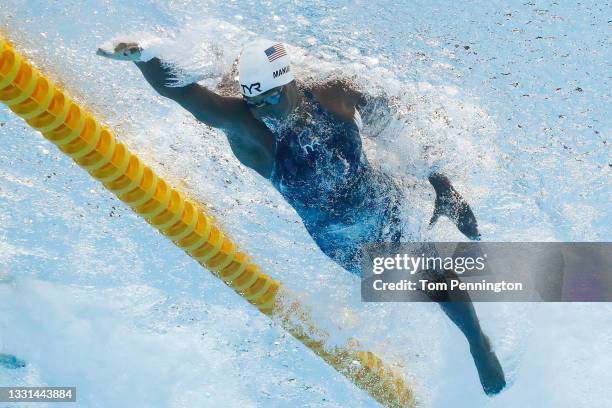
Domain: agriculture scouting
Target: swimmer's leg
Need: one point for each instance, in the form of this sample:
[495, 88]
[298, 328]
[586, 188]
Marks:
[489, 369]
[450, 203]
[459, 308]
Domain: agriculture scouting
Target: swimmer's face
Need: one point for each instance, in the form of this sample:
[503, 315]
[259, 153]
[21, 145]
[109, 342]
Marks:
[277, 103]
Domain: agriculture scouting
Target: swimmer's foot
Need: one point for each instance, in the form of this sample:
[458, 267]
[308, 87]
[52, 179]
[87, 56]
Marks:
[489, 369]
[450, 203]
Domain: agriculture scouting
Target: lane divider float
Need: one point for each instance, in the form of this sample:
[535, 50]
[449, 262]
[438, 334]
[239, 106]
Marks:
[49, 110]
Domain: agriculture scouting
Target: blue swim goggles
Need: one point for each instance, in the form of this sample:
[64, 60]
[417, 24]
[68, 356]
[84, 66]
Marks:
[271, 97]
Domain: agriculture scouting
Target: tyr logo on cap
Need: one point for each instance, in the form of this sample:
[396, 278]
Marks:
[250, 88]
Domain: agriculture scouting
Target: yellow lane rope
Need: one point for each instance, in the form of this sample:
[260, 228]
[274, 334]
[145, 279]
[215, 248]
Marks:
[47, 108]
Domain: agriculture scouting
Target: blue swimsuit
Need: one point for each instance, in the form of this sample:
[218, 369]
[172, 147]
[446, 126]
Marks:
[321, 170]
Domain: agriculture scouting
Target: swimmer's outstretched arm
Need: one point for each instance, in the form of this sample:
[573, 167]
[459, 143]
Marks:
[208, 107]
[250, 140]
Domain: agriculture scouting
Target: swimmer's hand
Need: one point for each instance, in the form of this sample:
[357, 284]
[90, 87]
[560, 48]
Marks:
[123, 52]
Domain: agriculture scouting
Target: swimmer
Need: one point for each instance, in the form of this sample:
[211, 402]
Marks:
[306, 141]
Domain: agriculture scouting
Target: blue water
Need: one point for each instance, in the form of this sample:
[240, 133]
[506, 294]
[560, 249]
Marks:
[509, 99]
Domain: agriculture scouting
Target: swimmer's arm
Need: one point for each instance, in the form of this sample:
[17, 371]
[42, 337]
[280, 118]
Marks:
[371, 107]
[346, 91]
[251, 141]
[208, 107]
[214, 110]
[352, 96]
[339, 97]
[253, 145]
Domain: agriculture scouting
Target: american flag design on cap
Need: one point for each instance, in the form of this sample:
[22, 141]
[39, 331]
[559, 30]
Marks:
[275, 52]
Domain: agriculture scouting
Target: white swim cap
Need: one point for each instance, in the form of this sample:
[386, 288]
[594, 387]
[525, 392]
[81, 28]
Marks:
[264, 65]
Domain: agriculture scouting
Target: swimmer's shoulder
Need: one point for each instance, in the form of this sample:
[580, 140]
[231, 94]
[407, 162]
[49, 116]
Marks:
[340, 98]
